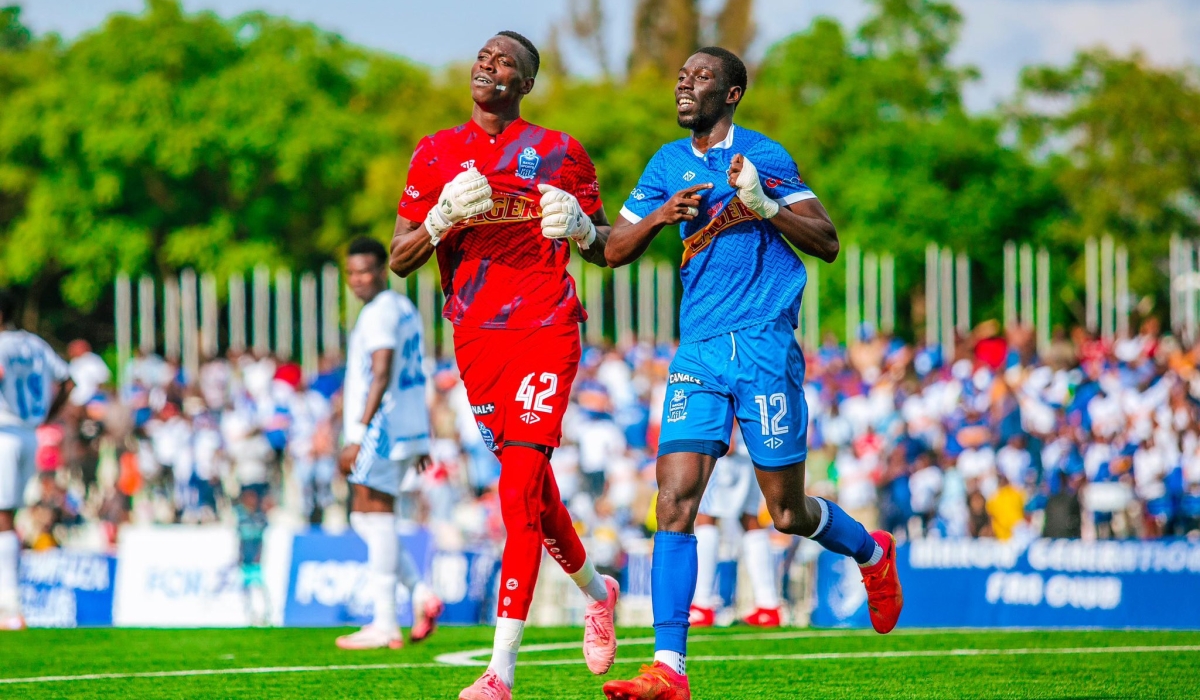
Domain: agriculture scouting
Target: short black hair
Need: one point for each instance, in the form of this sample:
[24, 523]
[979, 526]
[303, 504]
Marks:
[731, 66]
[533, 52]
[368, 246]
[8, 306]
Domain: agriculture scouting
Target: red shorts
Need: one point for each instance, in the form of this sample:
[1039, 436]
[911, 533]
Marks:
[518, 380]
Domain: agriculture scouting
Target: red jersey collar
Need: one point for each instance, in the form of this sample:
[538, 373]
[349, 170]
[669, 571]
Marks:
[515, 128]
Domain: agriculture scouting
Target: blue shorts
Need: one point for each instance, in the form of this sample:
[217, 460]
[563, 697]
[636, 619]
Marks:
[755, 375]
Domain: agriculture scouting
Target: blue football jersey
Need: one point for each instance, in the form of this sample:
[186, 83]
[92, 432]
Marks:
[737, 269]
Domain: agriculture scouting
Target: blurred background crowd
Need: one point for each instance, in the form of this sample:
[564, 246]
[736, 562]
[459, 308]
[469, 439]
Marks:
[1093, 440]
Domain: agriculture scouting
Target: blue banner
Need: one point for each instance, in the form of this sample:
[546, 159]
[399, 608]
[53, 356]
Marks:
[67, 589]
[1047, 583]
[327, 581]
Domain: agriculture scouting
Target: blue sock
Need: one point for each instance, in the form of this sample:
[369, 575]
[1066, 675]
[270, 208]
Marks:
[844, 535]
[672, 585]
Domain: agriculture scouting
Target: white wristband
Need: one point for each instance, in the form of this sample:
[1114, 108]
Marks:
[436, 224]
[355, 433]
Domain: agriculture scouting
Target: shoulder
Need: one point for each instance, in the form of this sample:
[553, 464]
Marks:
[669, 154]
[750, 141]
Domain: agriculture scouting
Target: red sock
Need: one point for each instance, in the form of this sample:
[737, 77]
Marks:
[558, 532]
[522, 472]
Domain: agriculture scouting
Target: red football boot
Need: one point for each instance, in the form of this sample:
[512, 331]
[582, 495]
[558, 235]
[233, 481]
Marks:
[657, 682]
[701, 617]
[764, 617]
[884, 597]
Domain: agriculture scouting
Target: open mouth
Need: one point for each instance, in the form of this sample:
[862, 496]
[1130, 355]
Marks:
[684, 103]
[482, 80]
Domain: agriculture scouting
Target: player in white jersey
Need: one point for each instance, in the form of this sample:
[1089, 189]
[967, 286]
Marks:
[386, 423]
[734, 493]
[34, 384]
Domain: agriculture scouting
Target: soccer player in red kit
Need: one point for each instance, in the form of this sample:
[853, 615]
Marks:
[499, 200]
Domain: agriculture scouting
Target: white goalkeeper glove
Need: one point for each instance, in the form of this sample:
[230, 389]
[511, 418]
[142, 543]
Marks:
[562, 217]
[751, 193]
[467, 195]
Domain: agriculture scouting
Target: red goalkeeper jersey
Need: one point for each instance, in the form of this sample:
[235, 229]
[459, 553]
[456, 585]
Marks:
[498, 271]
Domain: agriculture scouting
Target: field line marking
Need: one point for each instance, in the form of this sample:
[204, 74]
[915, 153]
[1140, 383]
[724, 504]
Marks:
[468, 657]
[818, 656]
[217, 672]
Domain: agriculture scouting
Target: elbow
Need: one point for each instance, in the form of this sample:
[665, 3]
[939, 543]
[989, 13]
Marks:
[832, 247]
[399, 265]
[613, 259]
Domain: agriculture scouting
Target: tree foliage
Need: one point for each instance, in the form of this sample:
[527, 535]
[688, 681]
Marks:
[163, 140]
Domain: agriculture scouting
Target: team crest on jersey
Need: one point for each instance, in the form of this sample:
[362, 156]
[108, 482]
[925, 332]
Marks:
[489, 438]
[527, 163]
[677, 409]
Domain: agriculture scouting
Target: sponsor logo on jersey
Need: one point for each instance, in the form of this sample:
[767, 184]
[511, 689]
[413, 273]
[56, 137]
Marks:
[681, 378]
[411, 191]
[527, 163]
[735, 213]
[489, 438]
[773, 182]
[677, 409]
[689, 176]
[637, 194]
[485, 409]
[505, 209]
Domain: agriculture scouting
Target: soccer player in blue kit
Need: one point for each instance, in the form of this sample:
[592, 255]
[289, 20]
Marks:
[740, 204]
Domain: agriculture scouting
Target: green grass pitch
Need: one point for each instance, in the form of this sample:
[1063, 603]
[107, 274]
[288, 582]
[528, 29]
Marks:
[739, 662]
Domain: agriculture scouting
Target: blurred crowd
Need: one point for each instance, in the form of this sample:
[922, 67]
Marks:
[1092, 439]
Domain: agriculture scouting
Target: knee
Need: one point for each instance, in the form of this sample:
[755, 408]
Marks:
[795, 520]
[520, 502]
[676, 511]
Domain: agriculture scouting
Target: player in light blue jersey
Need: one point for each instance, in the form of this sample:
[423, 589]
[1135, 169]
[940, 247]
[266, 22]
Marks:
[34, 384]
[386, 434]
[741, 206]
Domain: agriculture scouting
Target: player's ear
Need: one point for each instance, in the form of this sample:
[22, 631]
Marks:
[734, 96]
[527, 85]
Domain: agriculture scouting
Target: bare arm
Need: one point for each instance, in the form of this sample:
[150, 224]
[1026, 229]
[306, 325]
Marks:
[628, 241]
[804, 224]
[381, 376]
[411, 248]
[60, 399]
[595, 252]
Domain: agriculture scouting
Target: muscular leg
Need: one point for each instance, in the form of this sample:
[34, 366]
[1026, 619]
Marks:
[682, 477]
[822, 521]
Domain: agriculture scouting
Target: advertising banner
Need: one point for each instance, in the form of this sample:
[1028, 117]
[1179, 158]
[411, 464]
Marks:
[1045, 583]
[62, 588]
[179, 576]
[327, 581]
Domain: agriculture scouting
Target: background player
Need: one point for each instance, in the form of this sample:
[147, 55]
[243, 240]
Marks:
[733, 494]
[498, 198]
[34, 384]
[386, 433]
[738, 356]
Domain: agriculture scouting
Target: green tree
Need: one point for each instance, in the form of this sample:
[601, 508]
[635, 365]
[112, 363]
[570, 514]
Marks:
[1122, 141]
[166, 140]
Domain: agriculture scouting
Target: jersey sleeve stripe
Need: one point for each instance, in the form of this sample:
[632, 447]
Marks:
[796, 197]
[630, 216]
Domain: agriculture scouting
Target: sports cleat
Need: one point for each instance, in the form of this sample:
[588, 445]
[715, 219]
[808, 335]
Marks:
[488, 687]
[701, 617]
[884, 597]
[764, 617]
[371, 637]
[599, 633]
[426, 622]
[657, 682]
[12, 623]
